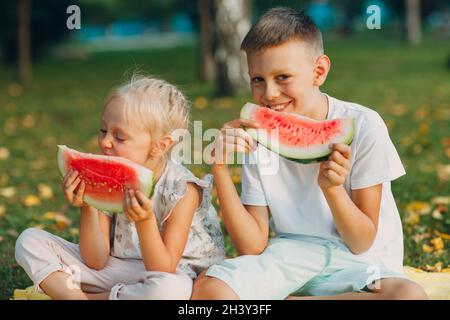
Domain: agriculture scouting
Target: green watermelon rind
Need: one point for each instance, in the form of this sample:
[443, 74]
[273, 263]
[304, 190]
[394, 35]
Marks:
[145, 176]
[297, 154]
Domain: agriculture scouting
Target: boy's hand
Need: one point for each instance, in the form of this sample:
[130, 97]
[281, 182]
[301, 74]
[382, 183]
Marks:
[333, 172]
[73, 188]
[137, 207]
[233, 138]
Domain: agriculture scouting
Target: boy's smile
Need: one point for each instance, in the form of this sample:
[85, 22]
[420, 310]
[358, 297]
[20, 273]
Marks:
[286, 78]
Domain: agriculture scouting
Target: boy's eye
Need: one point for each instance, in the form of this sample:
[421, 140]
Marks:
[103, 131]
[257, 79]
[282, 77]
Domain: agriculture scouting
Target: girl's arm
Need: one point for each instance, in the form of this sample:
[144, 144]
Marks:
[94, 225]
[162, 251]
[94, 237]
[248, 226]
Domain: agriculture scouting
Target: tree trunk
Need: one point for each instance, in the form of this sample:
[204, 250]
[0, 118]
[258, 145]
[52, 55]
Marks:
[232, 22]
[24, 42]
[208, 67]
[413, 22]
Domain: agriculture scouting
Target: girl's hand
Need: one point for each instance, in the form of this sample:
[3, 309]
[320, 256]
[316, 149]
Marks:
[333, 172]
[233, 138]
[73, 188]
[137, 207]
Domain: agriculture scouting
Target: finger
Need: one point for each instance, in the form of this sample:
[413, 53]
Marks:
[71, 187]
[143, 200]
[331, 165]
[334, 177]
[135, 204]
[337, 157]
[344, 149]
[80, 193]
[70, 178]
[240, 133]
[241, 122]
[238, 141]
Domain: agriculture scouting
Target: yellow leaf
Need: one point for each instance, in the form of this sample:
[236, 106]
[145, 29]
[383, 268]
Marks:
[446, 270]
[442, 235]
[426, 248]
[49, 215]
[2, 211]
[443, 172]
[440, 200]
[45, 191]
[74, 231]
[8, 192]
[412, 219]
[31, 200]
[15, 89]
[28, 121]
[418, 207]
[62, 222]
[200, 103]
[4, 153]
[437, 243]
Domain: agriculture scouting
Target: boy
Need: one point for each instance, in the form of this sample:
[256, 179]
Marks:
[338, 231]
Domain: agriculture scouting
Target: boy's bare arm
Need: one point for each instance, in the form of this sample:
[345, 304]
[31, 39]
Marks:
[356, 217]
[356, 220]
[94, 237]
[248, 226]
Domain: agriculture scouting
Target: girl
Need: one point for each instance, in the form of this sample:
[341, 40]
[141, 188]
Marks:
[157, 246]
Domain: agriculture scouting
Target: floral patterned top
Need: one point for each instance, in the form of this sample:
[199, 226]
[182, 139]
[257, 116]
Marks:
[204, 246]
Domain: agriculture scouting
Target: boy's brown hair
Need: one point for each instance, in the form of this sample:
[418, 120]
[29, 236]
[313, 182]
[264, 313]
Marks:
[279, 25]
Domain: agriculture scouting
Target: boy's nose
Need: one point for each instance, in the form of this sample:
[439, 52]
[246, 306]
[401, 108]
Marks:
[271, 92]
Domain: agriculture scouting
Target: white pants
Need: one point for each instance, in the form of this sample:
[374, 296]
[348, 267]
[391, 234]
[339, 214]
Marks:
[41, 253]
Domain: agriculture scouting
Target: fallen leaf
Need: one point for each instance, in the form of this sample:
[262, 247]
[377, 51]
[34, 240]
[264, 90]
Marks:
[412, 218]
[45, 191]
[436, 214]
[200, 103]
[440, 200]
[31, 200]
[426, 248]
[419, 207]
[2, 211]
[442, 235]
[420, 237]
[8, 192]
[4, 153]
[437, 243]
[49, 215]
[443, 172]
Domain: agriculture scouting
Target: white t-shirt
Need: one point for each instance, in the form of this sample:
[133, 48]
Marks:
[296, 202]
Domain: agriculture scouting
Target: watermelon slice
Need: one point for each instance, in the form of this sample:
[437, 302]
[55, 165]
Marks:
[106, 177]
[295, 137]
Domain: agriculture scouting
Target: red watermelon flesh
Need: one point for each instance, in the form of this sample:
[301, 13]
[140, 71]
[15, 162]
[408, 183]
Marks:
[106, 177]
[297, 138]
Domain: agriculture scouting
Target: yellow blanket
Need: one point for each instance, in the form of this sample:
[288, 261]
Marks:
[435, 284]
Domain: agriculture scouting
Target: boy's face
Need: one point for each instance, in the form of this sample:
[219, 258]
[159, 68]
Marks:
[117, 137]
[282, 77]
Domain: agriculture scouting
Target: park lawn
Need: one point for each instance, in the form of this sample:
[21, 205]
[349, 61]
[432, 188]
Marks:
[410, 88]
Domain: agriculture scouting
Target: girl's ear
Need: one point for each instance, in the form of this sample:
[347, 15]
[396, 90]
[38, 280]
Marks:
[321, 69]
[161, 146]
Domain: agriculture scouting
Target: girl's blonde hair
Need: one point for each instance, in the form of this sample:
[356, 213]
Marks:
[153, 103]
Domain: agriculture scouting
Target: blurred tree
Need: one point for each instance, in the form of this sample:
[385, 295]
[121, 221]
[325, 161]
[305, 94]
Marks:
[47, 26]
[232, 22]
[24, 65]
[413, 22]
[206, 16]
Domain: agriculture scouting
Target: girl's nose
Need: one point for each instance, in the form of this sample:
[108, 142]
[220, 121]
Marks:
[105, 142]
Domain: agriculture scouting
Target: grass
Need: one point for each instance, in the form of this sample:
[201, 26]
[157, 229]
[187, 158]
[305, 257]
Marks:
[410, 88]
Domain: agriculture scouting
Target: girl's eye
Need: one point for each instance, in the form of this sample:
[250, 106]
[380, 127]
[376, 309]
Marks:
[103, 131]
[257, 79]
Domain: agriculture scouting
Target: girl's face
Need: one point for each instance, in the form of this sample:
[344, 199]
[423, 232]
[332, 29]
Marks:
[118, 138]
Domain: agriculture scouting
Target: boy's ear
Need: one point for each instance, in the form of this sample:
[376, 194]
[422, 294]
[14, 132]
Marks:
[321, 68]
